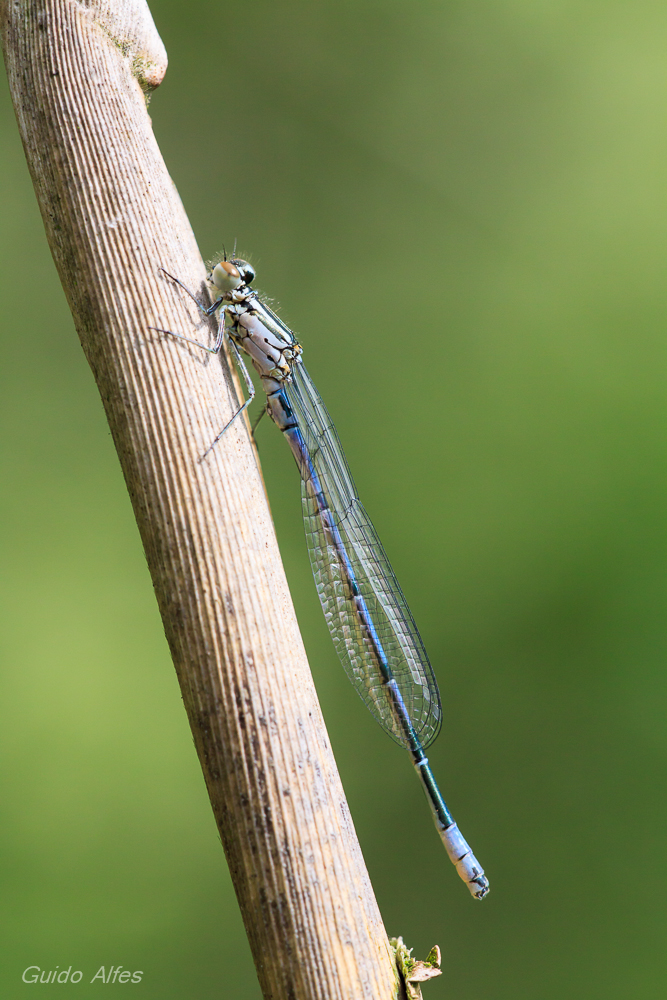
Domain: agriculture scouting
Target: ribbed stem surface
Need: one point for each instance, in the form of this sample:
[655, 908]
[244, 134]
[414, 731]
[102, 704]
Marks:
[113, 217]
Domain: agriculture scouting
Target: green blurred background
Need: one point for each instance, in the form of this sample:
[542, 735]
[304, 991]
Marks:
[460, 208]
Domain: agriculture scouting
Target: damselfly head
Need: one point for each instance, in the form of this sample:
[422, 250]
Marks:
[225, 276]
[246, 270]
[230, 274]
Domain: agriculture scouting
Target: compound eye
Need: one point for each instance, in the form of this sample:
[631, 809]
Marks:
[225, 276]
[246, 270]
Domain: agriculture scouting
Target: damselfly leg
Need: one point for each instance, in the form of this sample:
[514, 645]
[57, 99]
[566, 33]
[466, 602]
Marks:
[217, 347]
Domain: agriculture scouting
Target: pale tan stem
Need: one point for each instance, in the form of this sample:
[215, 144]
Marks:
[78, 72]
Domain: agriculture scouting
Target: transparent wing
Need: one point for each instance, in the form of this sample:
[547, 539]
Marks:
[349, 564]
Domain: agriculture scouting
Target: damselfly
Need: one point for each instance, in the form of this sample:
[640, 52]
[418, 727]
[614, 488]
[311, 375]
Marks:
[368, 617]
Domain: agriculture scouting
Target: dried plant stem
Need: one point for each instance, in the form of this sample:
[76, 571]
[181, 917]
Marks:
[78, 74]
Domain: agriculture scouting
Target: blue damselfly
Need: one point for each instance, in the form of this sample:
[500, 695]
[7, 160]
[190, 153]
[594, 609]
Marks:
[368, 617]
